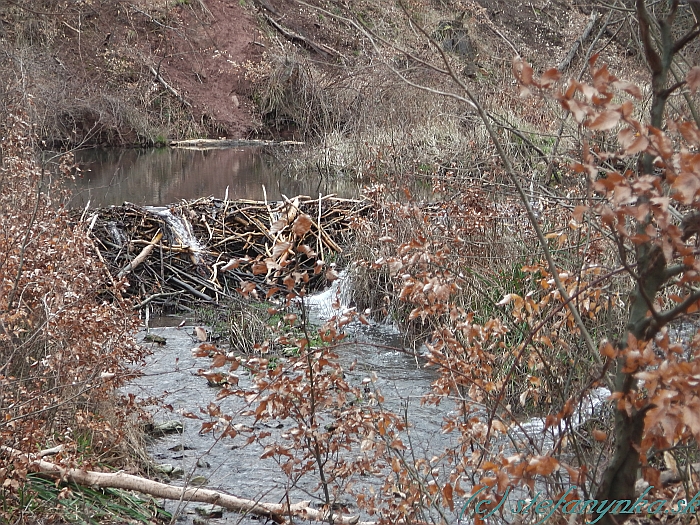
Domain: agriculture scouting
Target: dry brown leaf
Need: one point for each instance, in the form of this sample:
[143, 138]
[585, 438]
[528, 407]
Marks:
[690, 132]
[231, 265]
[693, 79]
[631, 142]
[289, 282]
[686, 186]
[608, 119]
[203, 350]
[550, 77]
[201, 333]
[629, 88]
[599, 435]
[661, 142]
[574, 474]
[302, 225]
[638, 145]
[627, 108]
[247, 287]
[447, 496]
[499, 426]
[691, 417]
[522, 71]
[579, 211]
[506, 299]
[279, 249]
[578, 110]
[259, 268]
[278, 226]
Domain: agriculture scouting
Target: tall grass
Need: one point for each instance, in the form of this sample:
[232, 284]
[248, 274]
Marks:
[87, 506]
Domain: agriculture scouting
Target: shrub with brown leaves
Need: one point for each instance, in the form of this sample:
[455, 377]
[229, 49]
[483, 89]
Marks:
[65, 336]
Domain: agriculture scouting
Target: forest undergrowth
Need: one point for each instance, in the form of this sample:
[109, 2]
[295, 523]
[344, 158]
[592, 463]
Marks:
[66, 340]
[545, 285]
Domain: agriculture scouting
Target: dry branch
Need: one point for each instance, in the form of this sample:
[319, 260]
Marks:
[140, 257]
[169, 87]
[121, 480]
[195, 238]
[291, 35]
[564, 64]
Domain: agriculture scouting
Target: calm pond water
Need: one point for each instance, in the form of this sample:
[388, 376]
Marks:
[164, 176]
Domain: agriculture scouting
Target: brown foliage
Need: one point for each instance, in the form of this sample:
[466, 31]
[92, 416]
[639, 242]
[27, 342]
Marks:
[65, 338]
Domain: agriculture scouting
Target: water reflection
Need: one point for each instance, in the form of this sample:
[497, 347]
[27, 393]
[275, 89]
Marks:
[164, 176]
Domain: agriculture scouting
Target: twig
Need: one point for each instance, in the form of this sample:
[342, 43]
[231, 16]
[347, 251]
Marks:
[291, 35]
[191, 289]
[168, 87]
[154, 296]
[518, 134]
[155, 21]
[318, 238]
[50, 451]
[70, 27]
[566, 62]
[25, 243]
[140, 257]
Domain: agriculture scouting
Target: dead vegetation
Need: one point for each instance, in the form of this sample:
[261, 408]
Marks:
[211, 250]
[113, 73]
[66, 337]
[150, 71]
[510, 331]
[375, 106]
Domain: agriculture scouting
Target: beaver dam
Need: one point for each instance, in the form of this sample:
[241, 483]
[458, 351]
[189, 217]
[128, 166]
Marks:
[211, 250]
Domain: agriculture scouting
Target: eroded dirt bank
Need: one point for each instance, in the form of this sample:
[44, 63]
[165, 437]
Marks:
[148, 71]
[141, 72]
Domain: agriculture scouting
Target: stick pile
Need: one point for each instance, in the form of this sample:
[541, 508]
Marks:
[206, 249]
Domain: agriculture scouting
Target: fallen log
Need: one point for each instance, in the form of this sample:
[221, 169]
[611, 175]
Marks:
[204, 144]
[121, 480]
[566, 61]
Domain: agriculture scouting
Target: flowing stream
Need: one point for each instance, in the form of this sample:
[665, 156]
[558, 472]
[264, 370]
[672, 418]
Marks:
[156, 178]
[171, 372]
